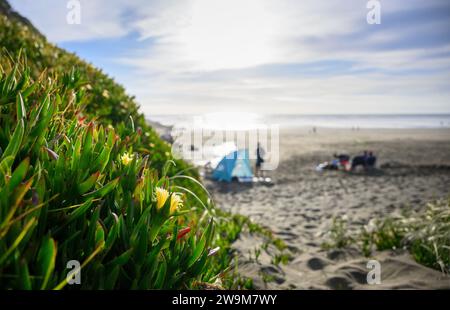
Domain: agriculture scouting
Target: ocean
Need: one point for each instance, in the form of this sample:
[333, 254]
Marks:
[243, 121]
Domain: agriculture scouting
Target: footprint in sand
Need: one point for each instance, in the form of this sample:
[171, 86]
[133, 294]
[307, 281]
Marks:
[316, 263]
[310, 226]
[312, 244]
[338, 283]
[357, 206]
[336, 254]
[286, 235]
[277, 275]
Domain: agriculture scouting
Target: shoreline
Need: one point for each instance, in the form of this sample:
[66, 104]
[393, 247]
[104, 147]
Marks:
[298, 121]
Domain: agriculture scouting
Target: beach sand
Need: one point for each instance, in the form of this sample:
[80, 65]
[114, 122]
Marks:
[299, 207]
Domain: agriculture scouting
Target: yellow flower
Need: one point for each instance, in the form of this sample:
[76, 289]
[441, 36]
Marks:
[161, 197]
[175, 202]
[126, 158]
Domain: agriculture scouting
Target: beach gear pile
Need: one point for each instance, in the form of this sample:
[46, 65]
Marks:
[343, 162]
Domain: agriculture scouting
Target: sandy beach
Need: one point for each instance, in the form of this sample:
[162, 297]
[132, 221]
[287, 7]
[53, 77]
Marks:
[300, 205]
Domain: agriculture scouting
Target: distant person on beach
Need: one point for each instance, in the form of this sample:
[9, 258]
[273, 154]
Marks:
[259, 160]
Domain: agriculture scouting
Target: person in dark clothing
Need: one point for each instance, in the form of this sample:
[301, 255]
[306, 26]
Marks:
[360, 160]
[371, 160]
[259, 160]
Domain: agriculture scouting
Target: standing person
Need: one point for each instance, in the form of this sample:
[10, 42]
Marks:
[259, 160]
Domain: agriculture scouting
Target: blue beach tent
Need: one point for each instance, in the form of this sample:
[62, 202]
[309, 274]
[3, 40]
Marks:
[235, 164]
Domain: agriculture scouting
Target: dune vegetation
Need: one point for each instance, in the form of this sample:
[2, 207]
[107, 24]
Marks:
[83, 177]
[425, 234]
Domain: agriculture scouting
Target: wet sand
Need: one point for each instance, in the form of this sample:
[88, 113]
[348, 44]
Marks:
[299, 207]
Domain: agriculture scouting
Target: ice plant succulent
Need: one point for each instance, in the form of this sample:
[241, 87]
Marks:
[214, 251]
[161, 197]
[126, 158]
[51, 153]
[58, 164]
[175, 202]
[183, 232]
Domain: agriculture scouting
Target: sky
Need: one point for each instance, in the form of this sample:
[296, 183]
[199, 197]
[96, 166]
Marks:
[262, 56]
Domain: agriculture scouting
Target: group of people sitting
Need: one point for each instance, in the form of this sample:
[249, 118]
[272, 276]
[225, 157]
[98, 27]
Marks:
[343, 162]
[367, 160]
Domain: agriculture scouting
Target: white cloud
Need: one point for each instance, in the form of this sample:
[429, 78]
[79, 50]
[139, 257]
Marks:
[209, 35]
[99, 19]
[201, 35]
[336, 94]
[195, 54]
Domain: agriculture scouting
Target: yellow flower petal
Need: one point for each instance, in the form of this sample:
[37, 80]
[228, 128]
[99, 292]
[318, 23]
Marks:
[126, 158]
[175, 202]
[161, 197]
